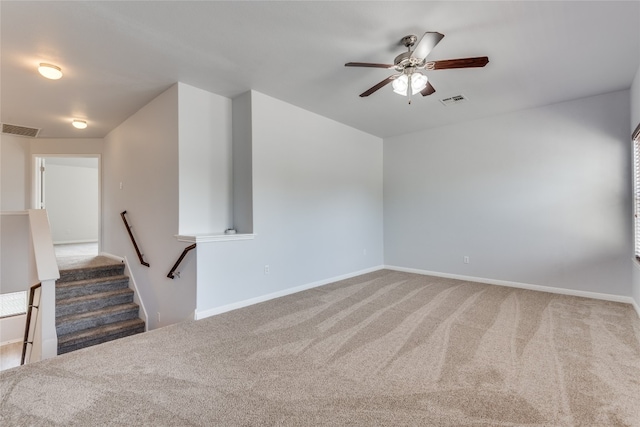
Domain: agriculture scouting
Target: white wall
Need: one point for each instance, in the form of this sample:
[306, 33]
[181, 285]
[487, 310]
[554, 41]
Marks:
[17, 157]
[14, 173]
[635, 120]
[142, 154]
[204, 161]
[17, 270]
[317, 199]
[71, 200]
[12, 329]
[27, 257]
[635, 101]
[539, 197]
[242, 164]
[62, 146]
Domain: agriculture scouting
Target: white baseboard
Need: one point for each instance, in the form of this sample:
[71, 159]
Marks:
[553, 290]
[132, 280]
[240, 304]
[72, 242]
[636, 306]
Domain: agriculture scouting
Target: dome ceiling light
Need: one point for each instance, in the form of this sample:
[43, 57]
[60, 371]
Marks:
[79, 124]
[50, 71]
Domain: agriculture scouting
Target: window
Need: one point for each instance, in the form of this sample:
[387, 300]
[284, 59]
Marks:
[636, 188]
[13, 304]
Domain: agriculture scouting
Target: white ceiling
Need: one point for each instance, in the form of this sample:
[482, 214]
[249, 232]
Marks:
[117, 56]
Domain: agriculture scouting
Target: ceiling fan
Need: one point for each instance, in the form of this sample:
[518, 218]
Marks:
[410, 80]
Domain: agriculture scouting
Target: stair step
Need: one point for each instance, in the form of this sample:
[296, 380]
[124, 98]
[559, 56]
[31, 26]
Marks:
[92, 302]
[75, 274]
[92, 319]
[98, 335]
[89, 286]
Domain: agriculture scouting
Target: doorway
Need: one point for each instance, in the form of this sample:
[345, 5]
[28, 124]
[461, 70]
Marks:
[68, 187]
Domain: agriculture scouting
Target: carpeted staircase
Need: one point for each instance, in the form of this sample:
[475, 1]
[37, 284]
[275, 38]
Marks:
[94, 304]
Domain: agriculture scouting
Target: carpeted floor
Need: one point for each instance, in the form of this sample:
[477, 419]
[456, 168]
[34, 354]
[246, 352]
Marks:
[386, 348]
[76, 249]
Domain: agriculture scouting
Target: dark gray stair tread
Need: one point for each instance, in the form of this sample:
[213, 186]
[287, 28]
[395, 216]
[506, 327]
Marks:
[96, 296]
[99, 335]
[92, 302]
[86, 282]
[97, 313]
[71, 271]
[92, 319]
[99, 331]
[75, 274]
[90, 267]
[87, 287]
[72, 276]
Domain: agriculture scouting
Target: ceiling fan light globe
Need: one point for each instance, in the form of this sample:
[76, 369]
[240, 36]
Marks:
[418, 82]
[401, 92]
[400, 85]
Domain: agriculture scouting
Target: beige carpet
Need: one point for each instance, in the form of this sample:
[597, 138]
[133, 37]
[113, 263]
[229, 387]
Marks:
[386, 348]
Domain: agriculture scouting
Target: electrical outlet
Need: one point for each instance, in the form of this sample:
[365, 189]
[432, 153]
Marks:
[465, 259]
[158, 317]
[266, 269]
[364, 252]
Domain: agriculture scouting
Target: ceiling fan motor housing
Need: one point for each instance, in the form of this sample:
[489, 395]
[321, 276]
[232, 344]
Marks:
[409, 40]
[405, 60]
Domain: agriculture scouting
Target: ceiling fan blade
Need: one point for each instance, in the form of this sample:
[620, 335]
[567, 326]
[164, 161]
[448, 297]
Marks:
[367, 64]
[378, 86]
[428, 90]
[426, 44]
[480, 61]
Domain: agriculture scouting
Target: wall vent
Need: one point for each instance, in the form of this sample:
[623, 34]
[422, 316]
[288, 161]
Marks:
[454, 100]
[20, 130]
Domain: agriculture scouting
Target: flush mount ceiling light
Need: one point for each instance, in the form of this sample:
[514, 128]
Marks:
[79, 124]
[50, 71]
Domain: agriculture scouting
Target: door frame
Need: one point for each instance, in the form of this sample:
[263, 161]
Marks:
[37, 190]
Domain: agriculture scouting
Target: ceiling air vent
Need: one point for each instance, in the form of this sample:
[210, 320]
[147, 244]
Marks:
[20, 130]
[453, 100]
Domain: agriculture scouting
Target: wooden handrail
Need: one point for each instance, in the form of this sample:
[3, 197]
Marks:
[133, 240]
[175, 266]
[32, 293]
